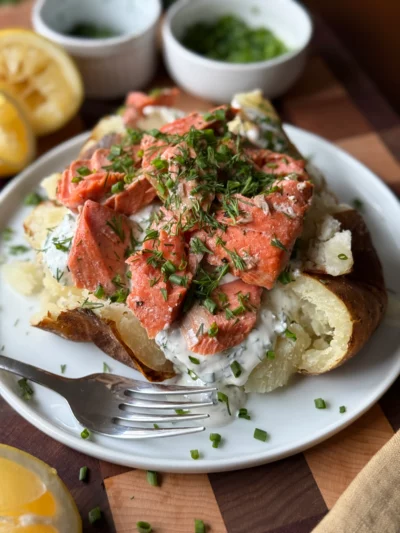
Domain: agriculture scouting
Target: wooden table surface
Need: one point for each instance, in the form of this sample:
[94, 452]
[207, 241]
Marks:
[336, 100]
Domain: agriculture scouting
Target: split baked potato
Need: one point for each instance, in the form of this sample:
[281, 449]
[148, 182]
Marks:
[332, 305]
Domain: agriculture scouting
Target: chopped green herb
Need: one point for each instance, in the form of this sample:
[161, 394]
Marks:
[285, 277]
[178, 280]
[210, 305]
[270, 354]
[236, 369]
[64, 245]
[277, 243]
[342, 409]
[95, 515]
[194, 360]
[152, 478]
[99, 292]
[116, 225]
[143, 527]
[244, 414]
[63, 368]
[181, 411]
[7, 234]
[83, 171]
[192, 374]
[117, 187]
[215, 438]
[213, 330]
[358, 204]
[59, 274]
[198, 247]
[168, 268]
[195, 454]
[87, 304]
[83, 473]
[320, 403]
[290, 335]
[33, 199]
[25, 389]
[120, 295]
[199, 526]
[76, 179]
[18, 249]
[343, 257]
[164, 294]
[85, 434]
[222, 397]
[260, 434]
[106, 368]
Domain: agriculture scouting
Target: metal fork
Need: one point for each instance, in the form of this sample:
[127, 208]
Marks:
[111, 405]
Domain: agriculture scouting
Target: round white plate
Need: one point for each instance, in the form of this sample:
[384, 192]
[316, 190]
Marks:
[288, 414]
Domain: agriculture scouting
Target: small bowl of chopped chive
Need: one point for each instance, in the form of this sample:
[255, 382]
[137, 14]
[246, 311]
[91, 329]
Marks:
[215, 49]
[114, 42]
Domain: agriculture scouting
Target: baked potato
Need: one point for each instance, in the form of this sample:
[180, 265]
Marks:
[334, 302]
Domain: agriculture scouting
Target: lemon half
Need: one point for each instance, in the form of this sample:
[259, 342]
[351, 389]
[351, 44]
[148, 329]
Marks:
[17, 142]
[33, 499]
[42, 76]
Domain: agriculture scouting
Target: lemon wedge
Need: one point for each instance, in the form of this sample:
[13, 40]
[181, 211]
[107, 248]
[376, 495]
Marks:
[42, 76]
[17, 142]
[33, 499]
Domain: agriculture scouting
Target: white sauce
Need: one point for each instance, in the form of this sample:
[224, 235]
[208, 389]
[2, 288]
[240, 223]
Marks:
[156, 116]
[228, 278]
[142, 219]
[57, 259]
[216, 368]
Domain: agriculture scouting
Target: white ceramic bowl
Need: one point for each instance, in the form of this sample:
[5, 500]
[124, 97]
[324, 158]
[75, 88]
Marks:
[113, 66]
[218, 81]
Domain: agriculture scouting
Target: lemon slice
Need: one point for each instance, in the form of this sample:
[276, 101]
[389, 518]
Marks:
[33, 499]
[42, 76]
[17, 142]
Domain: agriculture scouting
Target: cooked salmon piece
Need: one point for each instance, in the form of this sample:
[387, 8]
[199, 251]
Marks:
[99, 247]
[136, 101]
[198, 121]
[279, 164]
[207, 334]
[258, 243]
[160, 276]
[152, 148]
[136, 195]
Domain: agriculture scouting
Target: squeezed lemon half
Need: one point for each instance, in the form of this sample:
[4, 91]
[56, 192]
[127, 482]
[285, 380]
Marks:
[17, 142]
[33, 499]
[41, 76]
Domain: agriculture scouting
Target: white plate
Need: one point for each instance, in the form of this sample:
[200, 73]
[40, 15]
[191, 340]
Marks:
[288, 415]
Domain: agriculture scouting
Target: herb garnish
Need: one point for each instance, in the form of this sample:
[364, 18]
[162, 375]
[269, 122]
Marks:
[26, 390]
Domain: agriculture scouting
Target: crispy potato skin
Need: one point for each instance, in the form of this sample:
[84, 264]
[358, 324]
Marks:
[363, 290]
[82, 325]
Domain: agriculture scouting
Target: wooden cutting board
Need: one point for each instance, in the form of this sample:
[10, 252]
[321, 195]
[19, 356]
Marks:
[333, 99]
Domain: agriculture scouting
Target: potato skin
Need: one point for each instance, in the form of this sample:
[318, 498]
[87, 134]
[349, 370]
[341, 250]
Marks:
[362, 290]
[82, 325]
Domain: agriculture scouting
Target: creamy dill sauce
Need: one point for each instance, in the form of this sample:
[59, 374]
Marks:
[56, 249]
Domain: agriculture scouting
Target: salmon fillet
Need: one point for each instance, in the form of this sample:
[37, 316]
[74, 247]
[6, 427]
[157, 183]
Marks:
[207, 334]
[160, 276]
[198, 121]
[99, 247]
[279, 164]
[136, 195]
[258, 243]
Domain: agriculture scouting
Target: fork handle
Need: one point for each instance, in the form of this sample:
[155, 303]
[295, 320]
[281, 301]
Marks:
[49, 380]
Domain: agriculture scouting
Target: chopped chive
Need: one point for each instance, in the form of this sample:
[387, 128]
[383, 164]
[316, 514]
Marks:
[83, 171]
[285, 277]
[117, 187]
[156, 426]
[25, 389]
[270, 354]
[192, 374]
[210, 305]
[152, 478]
[215, 438]
[106, 368]
[195, 454]
[181, 411]
[290, 335]
[244, 414]
[63, 368]
[143, 527]
[76, 179]
[99, 292]
[236, 369]
[213, 331]
[260, 434]
[343, 257]
[164, 294]
[222, 397]
[83, 473]
[7, 234]
[320, 403]
[342, 409]
[178, 280]
[85, 434]
[95, 515]
[33, 198]
[194, 360]
[199, 526]
[358, 204]
[168, 267]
